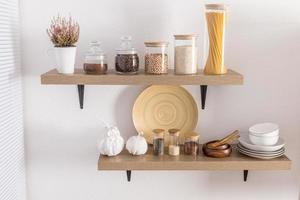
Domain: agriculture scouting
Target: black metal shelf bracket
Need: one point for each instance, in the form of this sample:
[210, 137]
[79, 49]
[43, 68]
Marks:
[80, 95]
[203, 90]
[128, 173]
[245, 175]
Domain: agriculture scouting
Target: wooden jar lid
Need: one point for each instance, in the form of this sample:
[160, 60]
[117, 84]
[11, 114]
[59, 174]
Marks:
[193, 136]
[174, 131]
[214, 6]
[186, 36]
[159, 132]
[156, 44]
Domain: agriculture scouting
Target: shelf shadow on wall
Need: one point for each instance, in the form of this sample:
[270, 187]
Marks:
[123, 110]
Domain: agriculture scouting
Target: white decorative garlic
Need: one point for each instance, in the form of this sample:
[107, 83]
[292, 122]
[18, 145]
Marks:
[112, 144]
[137, 145]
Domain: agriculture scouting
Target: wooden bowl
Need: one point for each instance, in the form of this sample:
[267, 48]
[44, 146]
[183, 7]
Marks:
[218, 152]
[221, 147]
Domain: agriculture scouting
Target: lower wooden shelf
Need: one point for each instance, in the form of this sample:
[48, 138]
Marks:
[236, 161]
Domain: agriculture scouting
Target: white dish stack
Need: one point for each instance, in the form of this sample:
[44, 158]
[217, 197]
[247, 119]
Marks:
[263, 142]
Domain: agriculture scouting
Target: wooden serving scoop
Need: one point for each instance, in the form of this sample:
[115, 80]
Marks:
[226, 140]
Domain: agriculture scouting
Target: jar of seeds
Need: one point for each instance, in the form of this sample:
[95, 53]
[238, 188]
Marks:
[174, 148]
[158, 142]
[127, 60]
[191, 144]
[156, 58]
[95, 59]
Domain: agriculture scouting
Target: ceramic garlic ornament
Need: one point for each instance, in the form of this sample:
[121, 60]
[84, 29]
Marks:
[112, 144]
[137, 145]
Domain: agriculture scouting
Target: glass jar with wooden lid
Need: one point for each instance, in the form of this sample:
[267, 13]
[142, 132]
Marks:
[215, 19]
[158, 142]
[191, 144]
[174, 148]
[156, 58]
[186, 54]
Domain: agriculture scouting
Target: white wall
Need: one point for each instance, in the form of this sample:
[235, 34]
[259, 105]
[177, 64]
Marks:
[262, 43]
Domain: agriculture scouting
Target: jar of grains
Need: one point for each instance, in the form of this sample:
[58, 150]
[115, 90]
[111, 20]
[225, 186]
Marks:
[186, 54]
[156, 58]
[158, 142]
[174, 148]
[191, 145]
[95, 59]
[127, 60]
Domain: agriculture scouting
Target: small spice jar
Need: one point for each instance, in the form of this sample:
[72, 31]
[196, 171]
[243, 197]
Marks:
[174, 148]
[127, 60]
[156, 58]
[186, 54]
[191, 145]
[95, 59]
[158, 142]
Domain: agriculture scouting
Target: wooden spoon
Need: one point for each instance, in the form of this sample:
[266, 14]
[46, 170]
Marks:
[226, 140]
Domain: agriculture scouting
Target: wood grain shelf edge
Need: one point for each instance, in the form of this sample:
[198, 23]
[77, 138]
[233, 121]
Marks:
[79, 77]
[236, 161]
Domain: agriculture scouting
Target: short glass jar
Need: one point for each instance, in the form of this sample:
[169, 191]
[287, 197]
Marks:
[174, 148]
[186, 54]
[95, 59]
[158, 142]
[191, 145]
[156, 58]
[127, 60]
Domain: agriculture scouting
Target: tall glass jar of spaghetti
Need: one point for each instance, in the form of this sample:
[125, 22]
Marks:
[215, 19]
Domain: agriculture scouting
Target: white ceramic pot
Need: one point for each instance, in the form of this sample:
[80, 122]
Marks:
[263, 140]
[65, 59]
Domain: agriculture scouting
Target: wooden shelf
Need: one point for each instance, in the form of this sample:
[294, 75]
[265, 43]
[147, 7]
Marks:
[111, 78]
[236, 161]
[81, 79]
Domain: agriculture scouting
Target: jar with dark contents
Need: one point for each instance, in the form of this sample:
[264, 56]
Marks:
[95, 59]
[191, 145]
[127, 60]
[158, 142]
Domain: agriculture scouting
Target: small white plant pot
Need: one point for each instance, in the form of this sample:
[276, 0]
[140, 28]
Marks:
[65, 59]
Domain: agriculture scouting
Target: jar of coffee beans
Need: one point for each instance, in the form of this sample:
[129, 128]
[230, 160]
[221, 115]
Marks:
[191, 144]
[156, 58]
[95, 59]
[158, 142]
[127, 60]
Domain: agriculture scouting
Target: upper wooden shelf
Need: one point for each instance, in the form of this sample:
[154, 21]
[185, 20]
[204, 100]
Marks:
[111, 78]
[236, 161]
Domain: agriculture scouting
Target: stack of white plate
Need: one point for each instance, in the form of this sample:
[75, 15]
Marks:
[263, 142]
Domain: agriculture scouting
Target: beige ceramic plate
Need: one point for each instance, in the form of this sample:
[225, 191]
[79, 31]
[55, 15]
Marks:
[165, 107]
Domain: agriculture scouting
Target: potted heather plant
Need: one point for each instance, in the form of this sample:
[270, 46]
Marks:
[64, 33]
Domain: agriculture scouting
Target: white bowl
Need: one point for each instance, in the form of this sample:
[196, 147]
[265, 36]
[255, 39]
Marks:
[264, 140]
[264, 129]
